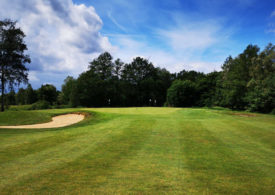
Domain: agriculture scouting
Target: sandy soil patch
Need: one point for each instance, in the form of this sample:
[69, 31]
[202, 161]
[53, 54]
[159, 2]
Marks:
[57, 121]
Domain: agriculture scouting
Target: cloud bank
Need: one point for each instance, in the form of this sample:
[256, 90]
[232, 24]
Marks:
[62, 37]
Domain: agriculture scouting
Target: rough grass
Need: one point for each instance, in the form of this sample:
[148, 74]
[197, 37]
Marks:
[140, 151]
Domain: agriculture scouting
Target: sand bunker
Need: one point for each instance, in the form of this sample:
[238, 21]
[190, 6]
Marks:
[57, 121]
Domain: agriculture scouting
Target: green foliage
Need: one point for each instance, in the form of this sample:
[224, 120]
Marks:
[92, 90]
[207, 89]
[109, 83]
[31, 95]
[12, 57]
[182, 94]
[68, 94]
[245, 83]
[10, 98]
[248, 81]
[26, 96]
[190, 75]
[48, 93]
[141, 81]
[261, 87]
[140, 69]
[117, 70]
[102, 66]
[21, 97]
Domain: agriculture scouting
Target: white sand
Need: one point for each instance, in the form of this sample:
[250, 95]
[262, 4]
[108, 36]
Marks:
[57, 121]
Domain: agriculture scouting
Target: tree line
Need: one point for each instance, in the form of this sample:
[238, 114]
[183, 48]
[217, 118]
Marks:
[246, 82]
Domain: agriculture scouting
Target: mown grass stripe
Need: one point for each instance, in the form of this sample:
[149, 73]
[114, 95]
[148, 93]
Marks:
[214, 161]
[55, 156]
[90, 167]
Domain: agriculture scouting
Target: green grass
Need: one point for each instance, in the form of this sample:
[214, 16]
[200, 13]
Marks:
[19, 107]
[23, 117]
[140, 151]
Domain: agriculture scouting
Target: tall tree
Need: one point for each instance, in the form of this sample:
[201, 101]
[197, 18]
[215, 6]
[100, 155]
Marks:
[48, 93]
[31, 95]
[235, 77]
[10, 98]
[138, 77]
[67, 90]
[261, 87]
[21, 97]
[12, 57]
[102, 65]
[92, 90]
[118, 65]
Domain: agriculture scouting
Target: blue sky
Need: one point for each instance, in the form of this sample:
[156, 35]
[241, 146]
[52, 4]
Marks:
[64, 35]
[205, 32]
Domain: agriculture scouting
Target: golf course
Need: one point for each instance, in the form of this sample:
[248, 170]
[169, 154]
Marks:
[139, 151]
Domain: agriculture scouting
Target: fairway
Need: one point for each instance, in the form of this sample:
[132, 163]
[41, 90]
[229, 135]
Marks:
[139, 151]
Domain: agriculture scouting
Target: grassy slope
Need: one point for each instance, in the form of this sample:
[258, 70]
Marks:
[143, 150]
[23, 117]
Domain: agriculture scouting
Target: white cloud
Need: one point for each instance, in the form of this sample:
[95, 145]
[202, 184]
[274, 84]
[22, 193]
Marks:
[61, 36]
[190, 37]
[188, 44]
[273, 13]
[130, 47]
[189, 34]
[32, 76]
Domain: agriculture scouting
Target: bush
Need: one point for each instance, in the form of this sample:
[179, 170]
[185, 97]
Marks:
[40, 105]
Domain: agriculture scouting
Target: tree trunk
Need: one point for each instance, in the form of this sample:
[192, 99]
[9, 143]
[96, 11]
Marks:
[3, 91]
